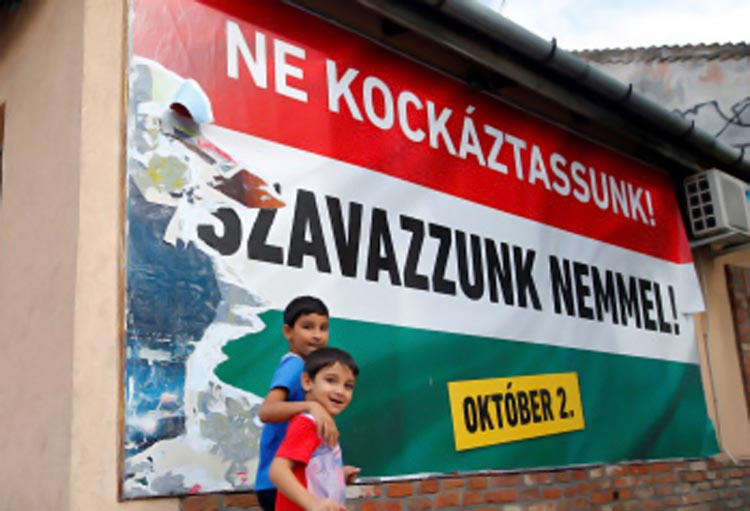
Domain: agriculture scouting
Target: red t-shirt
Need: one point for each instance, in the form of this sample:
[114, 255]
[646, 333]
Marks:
[318, 467]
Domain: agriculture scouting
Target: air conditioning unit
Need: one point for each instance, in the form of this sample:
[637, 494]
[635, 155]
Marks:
[718, 207]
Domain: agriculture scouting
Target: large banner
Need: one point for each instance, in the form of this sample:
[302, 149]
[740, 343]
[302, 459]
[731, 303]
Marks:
[516, 296]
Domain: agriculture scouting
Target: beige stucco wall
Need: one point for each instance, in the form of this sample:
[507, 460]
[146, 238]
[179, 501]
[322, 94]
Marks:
[38, 226]
[61, 69]
[96, 378]
[716, 337]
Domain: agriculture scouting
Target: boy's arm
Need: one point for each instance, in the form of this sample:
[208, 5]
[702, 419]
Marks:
[282, 476]
[276, 408]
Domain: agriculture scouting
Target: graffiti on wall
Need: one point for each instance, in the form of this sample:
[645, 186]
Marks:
[707, 89]
[732, 128]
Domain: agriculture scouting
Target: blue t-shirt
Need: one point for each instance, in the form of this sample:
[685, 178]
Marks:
[287, 376]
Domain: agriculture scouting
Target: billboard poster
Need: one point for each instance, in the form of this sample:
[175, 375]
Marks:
[516, 296]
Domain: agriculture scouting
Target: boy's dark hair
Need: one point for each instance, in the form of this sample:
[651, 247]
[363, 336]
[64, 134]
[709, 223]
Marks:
[303, 305]
[324, 357]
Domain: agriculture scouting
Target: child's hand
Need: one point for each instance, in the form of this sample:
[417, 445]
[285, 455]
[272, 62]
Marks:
[327, 429]
[326, 505]
[351, 473]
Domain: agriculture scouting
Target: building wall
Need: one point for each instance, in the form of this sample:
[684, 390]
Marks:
[61, 84]
[713, 88]
[38, 233]
[98, 324]
[722, 364]
[61, 227]
[738, 280]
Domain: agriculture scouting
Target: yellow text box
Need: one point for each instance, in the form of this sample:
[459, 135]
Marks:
[500, 410]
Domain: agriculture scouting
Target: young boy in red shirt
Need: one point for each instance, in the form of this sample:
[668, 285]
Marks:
[309, 474]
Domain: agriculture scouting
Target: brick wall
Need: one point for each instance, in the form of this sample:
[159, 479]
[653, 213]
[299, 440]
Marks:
[714, 484]
[738, 283]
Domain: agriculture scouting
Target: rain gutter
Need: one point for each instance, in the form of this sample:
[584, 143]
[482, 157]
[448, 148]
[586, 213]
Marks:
[670, 125]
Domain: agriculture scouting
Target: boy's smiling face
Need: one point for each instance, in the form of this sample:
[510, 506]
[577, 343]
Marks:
[309, 333]
[332, 387]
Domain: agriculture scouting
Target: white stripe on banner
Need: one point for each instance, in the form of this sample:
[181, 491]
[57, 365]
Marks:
[651, 298]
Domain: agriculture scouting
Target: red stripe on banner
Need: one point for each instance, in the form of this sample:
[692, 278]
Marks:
[510, 161]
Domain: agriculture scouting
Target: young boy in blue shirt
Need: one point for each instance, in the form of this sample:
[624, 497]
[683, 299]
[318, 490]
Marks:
[306, 330]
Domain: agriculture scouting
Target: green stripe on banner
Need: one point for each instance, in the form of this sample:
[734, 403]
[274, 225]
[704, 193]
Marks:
[399, 421]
